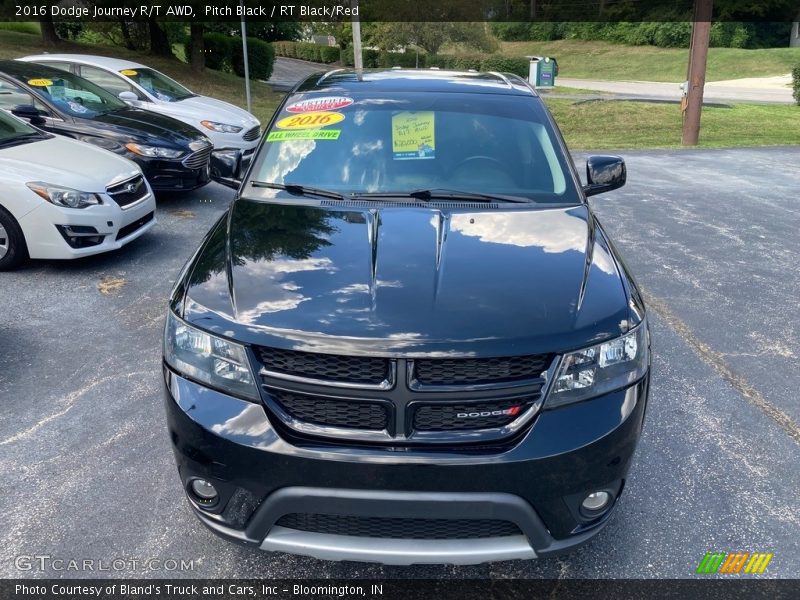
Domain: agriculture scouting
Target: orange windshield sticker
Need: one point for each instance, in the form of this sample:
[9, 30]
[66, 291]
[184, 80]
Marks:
[40, 82]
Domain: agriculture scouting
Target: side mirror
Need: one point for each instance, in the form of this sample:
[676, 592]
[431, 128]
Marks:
[226, 167]
[603, 174]
[29, 112]
[128, 97]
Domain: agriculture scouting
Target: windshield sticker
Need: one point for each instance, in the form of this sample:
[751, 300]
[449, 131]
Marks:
[78, 108]
[412, 135]
[310, 120]
[304, 134]
[40, 82]
[129, 72]
[319, 104]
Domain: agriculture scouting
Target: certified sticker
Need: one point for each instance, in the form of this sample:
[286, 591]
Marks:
[319, 104]
[129, 72]
[40, 82]
[312, 120]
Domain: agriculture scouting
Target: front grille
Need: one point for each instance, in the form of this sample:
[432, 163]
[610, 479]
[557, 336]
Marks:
[399, 528]
[329, 367]
[252, 134]
[128, 192]
[476, 371]
[469, 415]
[333, 412]
[129, 229]
[199, 159]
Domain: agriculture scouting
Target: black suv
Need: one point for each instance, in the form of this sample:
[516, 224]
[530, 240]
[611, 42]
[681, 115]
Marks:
[409, 339]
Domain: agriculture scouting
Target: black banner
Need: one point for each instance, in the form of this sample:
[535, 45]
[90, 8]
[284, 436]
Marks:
[395, 10]
[394, 589]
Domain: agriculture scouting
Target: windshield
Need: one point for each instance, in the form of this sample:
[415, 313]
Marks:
[74, 95]
[11, 128]
[158, 84]
[407, 142]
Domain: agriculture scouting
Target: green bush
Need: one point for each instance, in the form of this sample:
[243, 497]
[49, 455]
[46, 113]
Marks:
[261, 57]
[21, 27]
[796, 83]
[307, 51]
[506, 64]
[218, 50]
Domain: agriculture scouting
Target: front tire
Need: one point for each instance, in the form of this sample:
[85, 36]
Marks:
[13, 249]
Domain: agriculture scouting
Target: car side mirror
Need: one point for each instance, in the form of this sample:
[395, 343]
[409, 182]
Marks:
[226, 167]
[603, 174]
[29, 112]
[128, 97]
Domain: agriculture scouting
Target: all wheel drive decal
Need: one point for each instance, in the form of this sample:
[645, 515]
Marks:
[319, 104]
[304, 134]
[310, 120]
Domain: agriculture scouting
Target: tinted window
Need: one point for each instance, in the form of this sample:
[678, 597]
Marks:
[73, 95]
[11, 127]
[62, 66]
[409, 141]
[108, 81]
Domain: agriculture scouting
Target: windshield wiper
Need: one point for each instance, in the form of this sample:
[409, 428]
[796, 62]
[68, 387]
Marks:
[426, 195]
[299, 190]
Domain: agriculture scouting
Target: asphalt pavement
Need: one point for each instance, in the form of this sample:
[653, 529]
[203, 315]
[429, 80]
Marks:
[711, 236]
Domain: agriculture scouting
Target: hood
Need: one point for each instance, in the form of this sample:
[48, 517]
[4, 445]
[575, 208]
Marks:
[62, 161]
[198, 108]
[408, 281]
[142, 126]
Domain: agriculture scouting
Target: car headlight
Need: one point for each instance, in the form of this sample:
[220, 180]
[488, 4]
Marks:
[219, 363]
[220, 127]
[64, 196]
[153, 151]
[601, 369]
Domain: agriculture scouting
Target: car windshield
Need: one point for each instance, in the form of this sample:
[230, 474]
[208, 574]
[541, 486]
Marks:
[158, 84]
[74, 95]
[14, 131]
[403, 143]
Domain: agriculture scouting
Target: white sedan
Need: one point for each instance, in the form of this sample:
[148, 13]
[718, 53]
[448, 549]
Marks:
[229, 127]
[60, 198]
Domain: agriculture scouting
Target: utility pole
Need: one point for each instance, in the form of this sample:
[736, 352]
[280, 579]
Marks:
[696, 79]
[357, 61]
[246, 61]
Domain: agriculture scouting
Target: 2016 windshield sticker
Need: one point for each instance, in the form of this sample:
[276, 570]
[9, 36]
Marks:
[40, 82]
[319, 104]
[304, 134]
[413, 135]
[311, 120]
[129, 72]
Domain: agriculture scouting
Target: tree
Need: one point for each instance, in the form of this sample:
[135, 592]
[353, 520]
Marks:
[159, 41]
[49, 35]
[197, 60]
[428, 36]
[794, 38]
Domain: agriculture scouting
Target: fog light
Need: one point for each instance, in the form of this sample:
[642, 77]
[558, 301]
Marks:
[596, 501]
[204, 491]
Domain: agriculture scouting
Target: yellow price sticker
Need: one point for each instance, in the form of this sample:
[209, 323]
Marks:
[40, 82]
[311, 120]
[129, 72]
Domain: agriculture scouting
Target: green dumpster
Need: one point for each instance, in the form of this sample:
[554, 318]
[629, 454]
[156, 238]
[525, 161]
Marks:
[543, 71]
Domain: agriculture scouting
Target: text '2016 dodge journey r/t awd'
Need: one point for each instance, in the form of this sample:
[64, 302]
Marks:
[408, 340]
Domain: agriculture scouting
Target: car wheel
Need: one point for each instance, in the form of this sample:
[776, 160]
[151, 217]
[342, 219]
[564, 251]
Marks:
[12, 243]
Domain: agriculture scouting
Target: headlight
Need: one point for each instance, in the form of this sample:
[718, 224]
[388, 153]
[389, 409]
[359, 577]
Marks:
[208, 359]
[601, 369]
[63, 196]
[153, 151]
[220, 127]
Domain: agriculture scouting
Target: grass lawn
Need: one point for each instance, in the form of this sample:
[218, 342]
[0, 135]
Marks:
[601, 60]
[224, 86]
[613, 125]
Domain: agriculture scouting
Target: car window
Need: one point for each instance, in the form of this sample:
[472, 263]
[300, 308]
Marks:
[162, 87]
[11, 128]
[71, 94]
[108, 81]
[63, 66]
[11, 95]
[482, 143]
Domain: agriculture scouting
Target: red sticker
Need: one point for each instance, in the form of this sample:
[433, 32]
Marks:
[319, 104]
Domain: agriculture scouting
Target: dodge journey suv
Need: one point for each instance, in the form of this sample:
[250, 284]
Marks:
[409, 339]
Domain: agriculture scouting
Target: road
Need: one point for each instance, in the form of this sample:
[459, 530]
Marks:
[712, 238]
[755, 90]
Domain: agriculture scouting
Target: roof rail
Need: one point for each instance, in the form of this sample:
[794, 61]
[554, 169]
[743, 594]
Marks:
[327, 73]
[501, 76]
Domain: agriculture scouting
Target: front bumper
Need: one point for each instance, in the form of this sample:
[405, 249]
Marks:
[537, 483]
[115, 225]
[171, 175]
